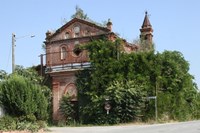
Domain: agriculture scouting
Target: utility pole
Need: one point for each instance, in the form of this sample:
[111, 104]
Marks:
[13, 52]
[13, 48]
[41, 64]
[156, 102]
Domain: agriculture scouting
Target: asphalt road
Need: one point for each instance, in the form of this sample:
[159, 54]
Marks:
[183, 127]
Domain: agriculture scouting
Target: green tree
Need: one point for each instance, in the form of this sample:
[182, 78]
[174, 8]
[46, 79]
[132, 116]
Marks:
[29, 73]
[20, 97]
[127, 100]
[43, 82]
[79, 13]
[163, 74]
[23, 93]
[3, 75]
[176, 85]
[92, 83]
[108, 64]
[68, 109]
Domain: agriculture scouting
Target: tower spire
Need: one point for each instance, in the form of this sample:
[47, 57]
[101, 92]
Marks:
[146, 31]
[146, 22]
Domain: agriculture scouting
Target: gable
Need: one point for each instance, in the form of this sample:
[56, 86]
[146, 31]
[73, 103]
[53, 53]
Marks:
[77, 28]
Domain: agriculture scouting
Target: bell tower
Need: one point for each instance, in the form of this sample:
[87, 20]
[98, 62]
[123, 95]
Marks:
[146, 31]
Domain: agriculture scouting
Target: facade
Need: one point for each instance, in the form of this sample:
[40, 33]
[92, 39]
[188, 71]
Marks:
[64, 59]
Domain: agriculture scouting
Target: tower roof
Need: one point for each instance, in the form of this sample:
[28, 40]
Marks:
[146, 22]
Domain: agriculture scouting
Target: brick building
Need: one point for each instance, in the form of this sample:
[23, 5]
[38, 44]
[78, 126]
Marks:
[63, 59]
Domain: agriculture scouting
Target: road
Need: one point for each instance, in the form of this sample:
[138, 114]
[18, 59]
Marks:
[182, 127]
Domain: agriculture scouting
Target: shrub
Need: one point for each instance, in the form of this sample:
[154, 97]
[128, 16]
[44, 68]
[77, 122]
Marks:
[28, 123]
[29, 118]
[20, 97]
[8, 123]
[28, 126]
[127, 100]
[41, 124]
[68, 109]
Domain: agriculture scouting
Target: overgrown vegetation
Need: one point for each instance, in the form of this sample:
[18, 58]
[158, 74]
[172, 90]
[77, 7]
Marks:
[68, 110]
[24, 99]
[81, 15]
[128, 79]
[123, 80]
[8, 123]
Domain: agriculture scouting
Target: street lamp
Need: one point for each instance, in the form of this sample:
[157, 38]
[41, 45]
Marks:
[13, 48]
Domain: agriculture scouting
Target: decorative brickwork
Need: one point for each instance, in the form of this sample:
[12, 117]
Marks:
[63, 60]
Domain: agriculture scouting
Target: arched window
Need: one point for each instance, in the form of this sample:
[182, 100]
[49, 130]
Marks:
[76, 31]
[63, 53]
[66, 36]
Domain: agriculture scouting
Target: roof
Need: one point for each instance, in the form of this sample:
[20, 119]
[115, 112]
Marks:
[146, 22]
[92, 24]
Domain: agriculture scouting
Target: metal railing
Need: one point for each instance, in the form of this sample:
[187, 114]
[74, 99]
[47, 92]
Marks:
[68, 67]
[54, 62]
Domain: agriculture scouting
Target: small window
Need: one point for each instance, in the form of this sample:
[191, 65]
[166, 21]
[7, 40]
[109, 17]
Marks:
[87, 32]
[77, 50]
[76, 31]
[63, 53]
[66, 35]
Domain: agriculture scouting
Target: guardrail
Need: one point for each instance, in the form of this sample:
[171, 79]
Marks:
[68, 67]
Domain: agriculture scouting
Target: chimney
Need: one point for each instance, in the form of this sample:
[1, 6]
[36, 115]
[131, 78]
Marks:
[109, 25]
[48, 33]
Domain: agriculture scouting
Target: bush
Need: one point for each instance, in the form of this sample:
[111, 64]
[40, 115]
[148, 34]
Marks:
[28, 123]
[33, 127]
[41, 124]
[29, 118]
[68, 110]
[20, 97]
[8, 123]
[127, 100]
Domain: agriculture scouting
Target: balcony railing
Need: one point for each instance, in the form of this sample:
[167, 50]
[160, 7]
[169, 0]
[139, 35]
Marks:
[68, 67]
[57, 63]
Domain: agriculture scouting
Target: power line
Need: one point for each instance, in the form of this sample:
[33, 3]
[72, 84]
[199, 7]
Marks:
[13, 48]
[8, 57]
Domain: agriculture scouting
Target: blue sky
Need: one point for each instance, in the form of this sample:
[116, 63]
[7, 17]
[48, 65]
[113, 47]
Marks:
[176, 25]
